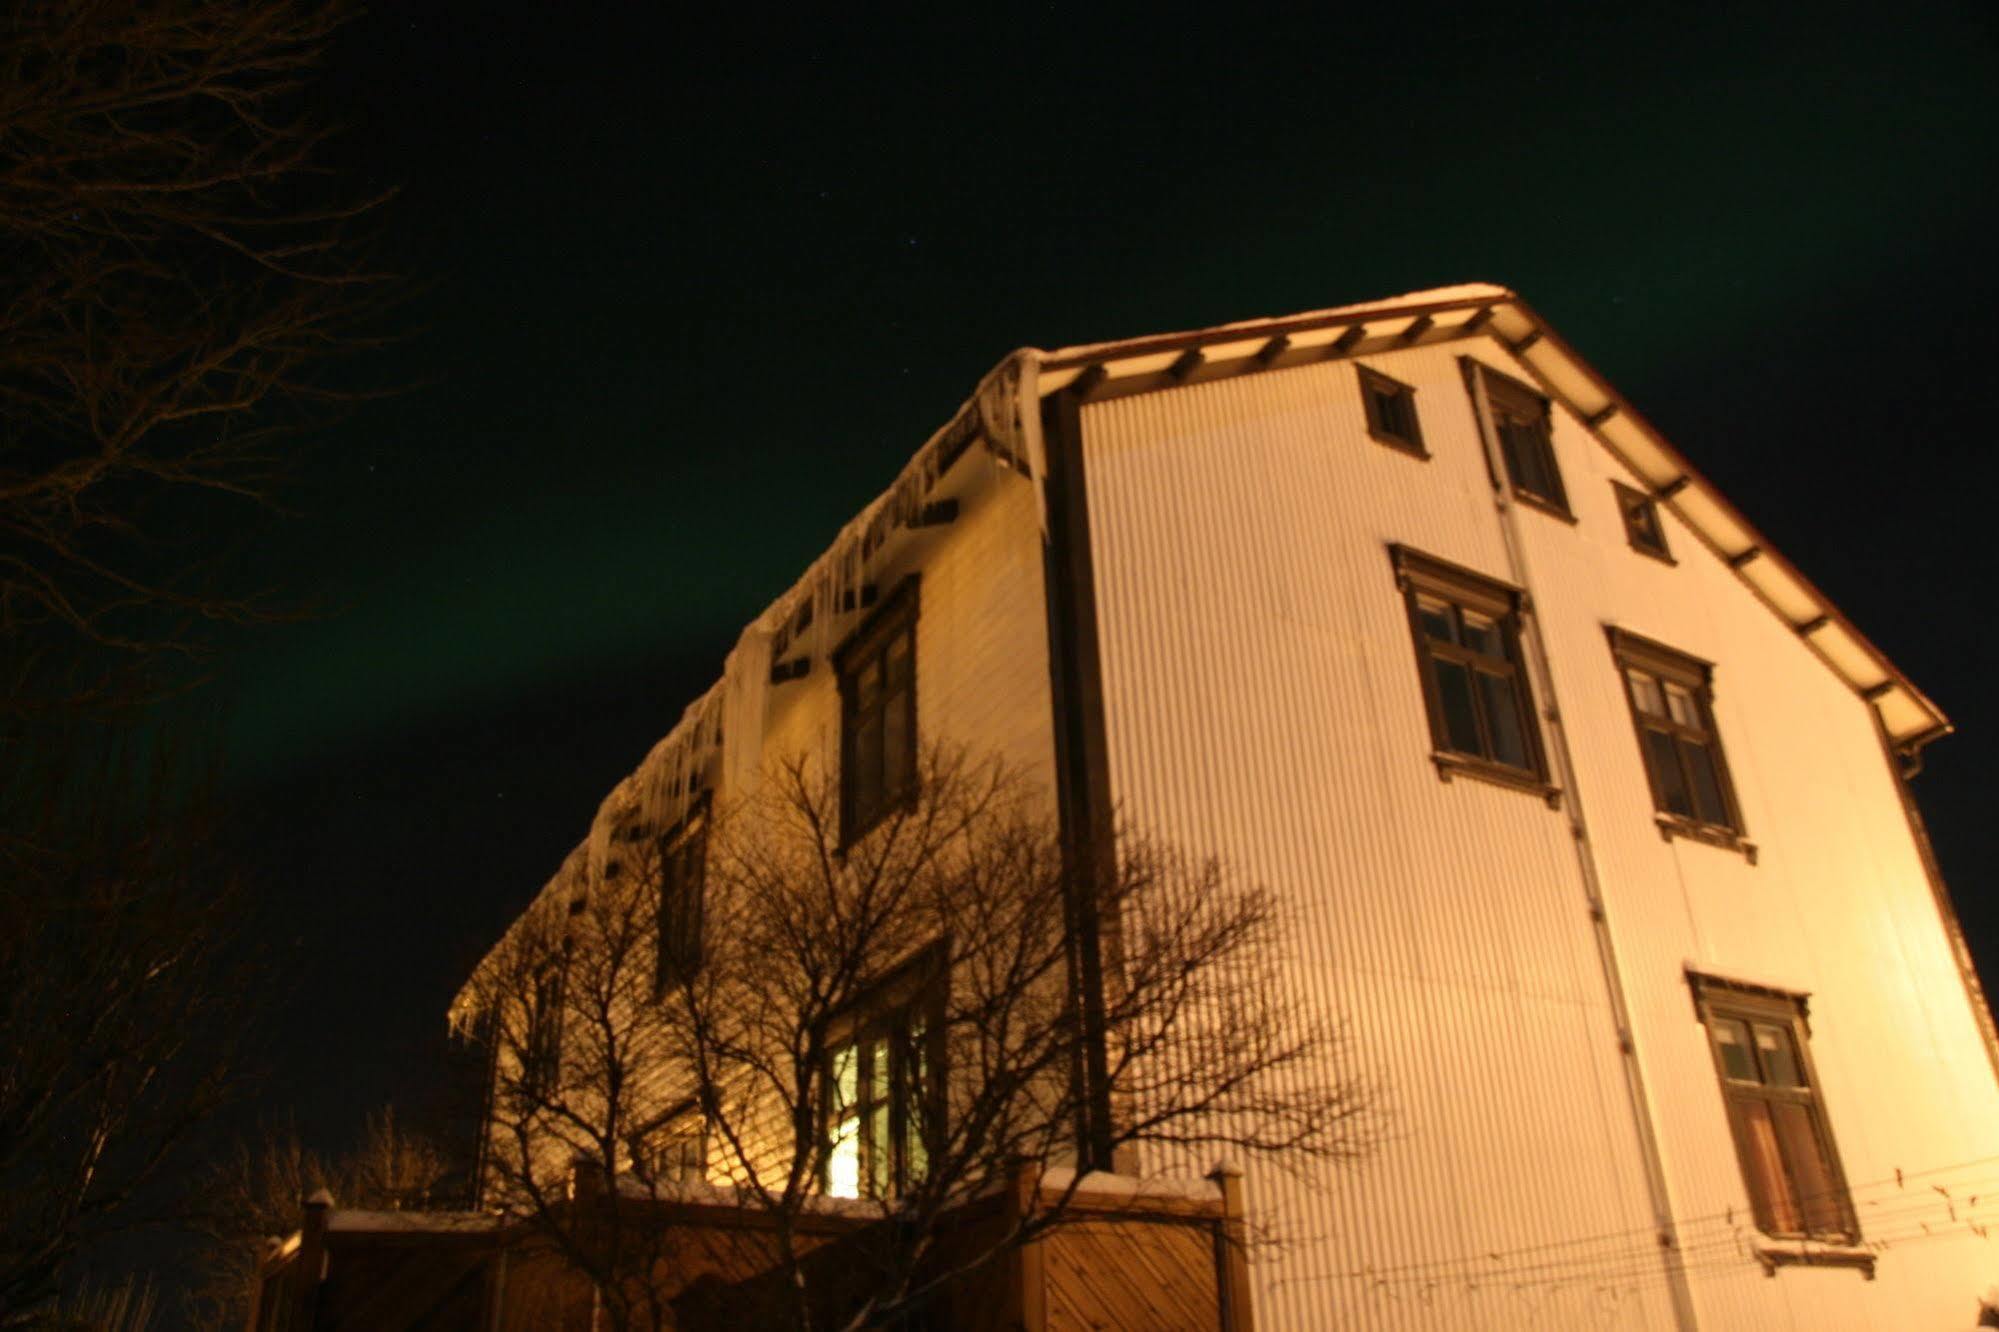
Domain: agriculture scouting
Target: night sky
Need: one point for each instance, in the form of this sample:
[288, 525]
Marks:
[691, 295]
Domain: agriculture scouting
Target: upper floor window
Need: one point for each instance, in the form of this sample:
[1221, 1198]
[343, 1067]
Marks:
[541, 1054]
[1467, 632]
[878, 715]
[1391, 412]
[683, 858]
[1671, 698]
[1523, 424]
[1643, 527]
[883, 1086]
[1775, 1113]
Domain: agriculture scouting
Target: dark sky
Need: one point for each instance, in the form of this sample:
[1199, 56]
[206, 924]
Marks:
[693, 294]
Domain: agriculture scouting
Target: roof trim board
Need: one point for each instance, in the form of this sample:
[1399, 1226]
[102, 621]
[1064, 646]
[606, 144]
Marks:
[995, 417]
[1148, 364]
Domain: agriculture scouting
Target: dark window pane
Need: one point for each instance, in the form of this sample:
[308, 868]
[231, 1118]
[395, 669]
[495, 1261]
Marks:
[899, 657]
[1663, 759]
[1482, 635]
[1708, 804]
[898, 744]
[867, 685]
[1502, 719]
[867, 774]
[1460, 713]
[1439, 620]
[1643, 517]
[1779, 1058]
[1732, 1039]
[1526, 449]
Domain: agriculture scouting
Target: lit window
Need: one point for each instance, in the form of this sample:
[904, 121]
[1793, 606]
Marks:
[1782, 1138]
[683, 860]
[1521, 420]
[882, 1093]
[1391, 412]
[1671, 704]
[878, 715]
[1467, 632]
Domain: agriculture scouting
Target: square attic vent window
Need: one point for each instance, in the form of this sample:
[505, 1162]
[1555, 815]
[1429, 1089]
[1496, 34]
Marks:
[1391, 412]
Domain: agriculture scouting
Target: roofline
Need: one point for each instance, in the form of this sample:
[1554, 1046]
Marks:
[1150, 364]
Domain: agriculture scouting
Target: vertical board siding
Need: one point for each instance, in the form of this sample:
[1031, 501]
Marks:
[1263, 705]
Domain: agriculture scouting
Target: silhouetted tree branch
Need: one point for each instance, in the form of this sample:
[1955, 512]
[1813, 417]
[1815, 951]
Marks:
[178, 275]
[892, 1020]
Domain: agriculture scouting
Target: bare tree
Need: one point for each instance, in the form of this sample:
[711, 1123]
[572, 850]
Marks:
[253, 1193]
[891, 1021]
[119, 1012]
[179, 273]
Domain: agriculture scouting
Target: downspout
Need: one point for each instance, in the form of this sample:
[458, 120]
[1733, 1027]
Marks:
[1564, 775]
[1081, 761]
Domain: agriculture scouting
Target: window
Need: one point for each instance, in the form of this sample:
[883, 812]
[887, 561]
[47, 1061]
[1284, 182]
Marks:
[1467, 632]
[1521, 421]
[541, 1056]
[884, 1085]
[683, 857]
[1391, 412]
[1671, 704]
[1643, 527]
[674, 1148]
[1782, 1139]
[878, 715]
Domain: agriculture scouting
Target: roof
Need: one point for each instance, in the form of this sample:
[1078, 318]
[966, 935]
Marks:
[815, 609]
[1442, 314]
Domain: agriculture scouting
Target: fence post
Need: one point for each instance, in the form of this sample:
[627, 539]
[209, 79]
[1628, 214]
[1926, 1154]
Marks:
[1232, 1251]
[310, 1270]
[1030, 1276]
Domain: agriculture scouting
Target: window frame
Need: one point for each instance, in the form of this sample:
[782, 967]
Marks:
[1669, 667]
[1718, 1000]
[901, 1017]
[541, 1046]
[1375, 385]
[1508, 399]
[1631, 502]
[1421, 576]
[870, 644]
[682, 888]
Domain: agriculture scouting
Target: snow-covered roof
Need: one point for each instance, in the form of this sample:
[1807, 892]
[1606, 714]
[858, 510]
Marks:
[806, 619]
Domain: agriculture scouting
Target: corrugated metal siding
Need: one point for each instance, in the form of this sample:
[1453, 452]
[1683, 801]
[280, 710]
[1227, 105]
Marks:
[1837, 905]
[981, 637]
[1264, 706]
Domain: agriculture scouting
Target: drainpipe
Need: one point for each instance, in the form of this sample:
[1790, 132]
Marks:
[1564, 776]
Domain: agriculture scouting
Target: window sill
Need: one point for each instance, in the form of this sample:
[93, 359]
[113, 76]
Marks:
[1549, 507]
[1413, 449]
[1652, 554]
[1813, 1254]
[1451, 765]
[1725, 839]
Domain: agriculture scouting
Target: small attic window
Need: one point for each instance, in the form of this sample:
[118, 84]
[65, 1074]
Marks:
[1643, 527]
[1391, 412]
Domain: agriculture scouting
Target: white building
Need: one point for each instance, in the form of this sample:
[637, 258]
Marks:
[1592, 807]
